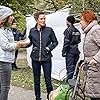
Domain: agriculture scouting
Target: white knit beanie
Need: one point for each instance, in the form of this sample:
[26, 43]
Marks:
[5, 12]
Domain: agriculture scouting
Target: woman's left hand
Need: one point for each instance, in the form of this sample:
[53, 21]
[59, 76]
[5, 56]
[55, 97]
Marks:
[93, 62]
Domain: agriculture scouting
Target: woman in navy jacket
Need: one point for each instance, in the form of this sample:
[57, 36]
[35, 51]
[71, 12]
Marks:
[43, 40]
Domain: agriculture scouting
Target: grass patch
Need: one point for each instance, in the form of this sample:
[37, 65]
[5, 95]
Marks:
[22, 50]
[22, 77]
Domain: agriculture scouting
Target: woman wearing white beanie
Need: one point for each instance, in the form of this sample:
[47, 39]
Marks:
[7, 50]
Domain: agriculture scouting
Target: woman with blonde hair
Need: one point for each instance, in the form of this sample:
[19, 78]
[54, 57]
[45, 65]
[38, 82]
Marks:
[91, 51]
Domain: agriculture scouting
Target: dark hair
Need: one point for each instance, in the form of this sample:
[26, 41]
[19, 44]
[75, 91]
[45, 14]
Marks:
[71, 19]
[5, 22]
[14, 21]
[36, 15]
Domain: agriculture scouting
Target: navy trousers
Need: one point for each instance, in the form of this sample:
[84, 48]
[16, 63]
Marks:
[47, 67]
[71, 60]
[14, 66]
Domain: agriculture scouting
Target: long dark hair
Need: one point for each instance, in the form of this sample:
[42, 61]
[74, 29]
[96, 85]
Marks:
[5, 22]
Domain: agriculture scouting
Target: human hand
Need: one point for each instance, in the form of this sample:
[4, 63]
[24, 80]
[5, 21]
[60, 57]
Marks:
[23, 43]
[93, 62]
[26, 41]
[18, 45]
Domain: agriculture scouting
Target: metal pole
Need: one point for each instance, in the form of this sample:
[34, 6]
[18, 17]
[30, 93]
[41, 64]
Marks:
[83, 4]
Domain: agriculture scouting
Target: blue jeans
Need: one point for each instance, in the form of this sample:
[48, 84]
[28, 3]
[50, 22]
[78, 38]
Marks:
[47, 67]
[5, 76]
[71, 60]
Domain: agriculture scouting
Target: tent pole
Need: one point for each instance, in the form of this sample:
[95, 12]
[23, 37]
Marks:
[83, 4]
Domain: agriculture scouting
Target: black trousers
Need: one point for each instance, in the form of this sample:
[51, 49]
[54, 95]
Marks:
[95, 98]
[14, 64]
[47, 67]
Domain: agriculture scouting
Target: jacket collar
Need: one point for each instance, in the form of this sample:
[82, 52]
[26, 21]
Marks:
[87, 29]
[41, 27]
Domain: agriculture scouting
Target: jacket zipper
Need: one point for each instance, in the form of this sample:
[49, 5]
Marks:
[40, 48]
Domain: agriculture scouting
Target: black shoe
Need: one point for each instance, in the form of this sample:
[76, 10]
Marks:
[38, 99]
[15, 68]
[18, 68]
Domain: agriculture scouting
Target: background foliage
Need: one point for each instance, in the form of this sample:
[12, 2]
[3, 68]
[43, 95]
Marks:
[25, 7]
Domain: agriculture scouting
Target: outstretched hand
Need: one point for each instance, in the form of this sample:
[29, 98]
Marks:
[24, 43]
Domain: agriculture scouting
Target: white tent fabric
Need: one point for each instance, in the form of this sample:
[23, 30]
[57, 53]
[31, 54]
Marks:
[57, 21]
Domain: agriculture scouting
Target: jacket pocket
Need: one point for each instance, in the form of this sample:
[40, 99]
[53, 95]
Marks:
[34, 49]
[35, 52]
[45, 53]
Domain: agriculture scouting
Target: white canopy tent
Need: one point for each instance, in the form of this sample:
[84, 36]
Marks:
[57, 21]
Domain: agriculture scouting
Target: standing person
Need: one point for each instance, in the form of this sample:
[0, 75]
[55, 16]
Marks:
[17, 37]
[91, 51]
[44, 41]
[70, 47]
[7, 50]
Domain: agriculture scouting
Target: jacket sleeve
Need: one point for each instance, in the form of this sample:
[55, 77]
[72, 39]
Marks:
[66, 42]
[22, 36]
[30, 38]
[6, 44]
[53, 40]
[96, 39]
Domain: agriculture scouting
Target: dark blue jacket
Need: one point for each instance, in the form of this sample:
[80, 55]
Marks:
[40, 40]
[72, 37]
[17, 35]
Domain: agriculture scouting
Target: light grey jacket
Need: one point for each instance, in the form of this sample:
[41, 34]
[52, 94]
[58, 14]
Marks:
[7, 45]
[92, 51]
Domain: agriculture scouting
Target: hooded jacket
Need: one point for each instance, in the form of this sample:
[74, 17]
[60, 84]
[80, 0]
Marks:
[92, 51]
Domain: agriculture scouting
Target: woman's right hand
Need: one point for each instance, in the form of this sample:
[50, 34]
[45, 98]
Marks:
[93, 62]
[24, 43]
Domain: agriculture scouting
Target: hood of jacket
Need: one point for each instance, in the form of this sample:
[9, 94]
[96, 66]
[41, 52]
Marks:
[88, 28]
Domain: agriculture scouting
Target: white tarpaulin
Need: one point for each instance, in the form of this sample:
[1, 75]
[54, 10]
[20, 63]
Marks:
[57, 21]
